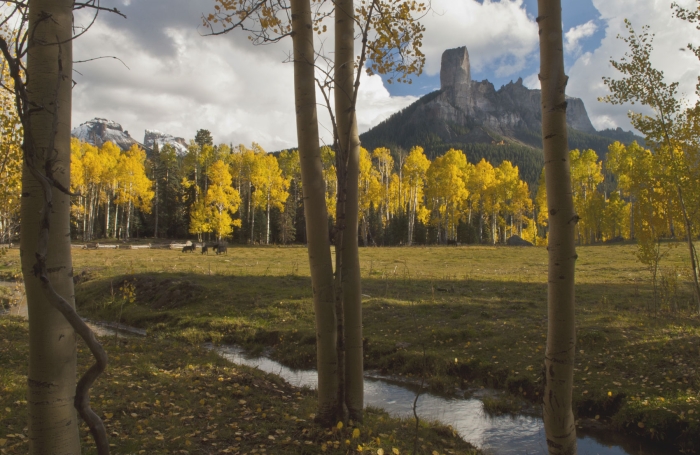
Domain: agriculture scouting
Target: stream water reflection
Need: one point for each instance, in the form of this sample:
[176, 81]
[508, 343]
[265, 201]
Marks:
[504, 435]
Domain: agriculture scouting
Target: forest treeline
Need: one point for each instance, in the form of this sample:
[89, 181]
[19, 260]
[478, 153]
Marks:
[246, 195]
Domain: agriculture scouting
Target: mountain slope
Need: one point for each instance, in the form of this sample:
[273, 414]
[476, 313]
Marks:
[473, 116]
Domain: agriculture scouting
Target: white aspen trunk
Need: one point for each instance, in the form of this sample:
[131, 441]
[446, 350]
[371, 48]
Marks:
[350, 357]
[107, 217]
[155, 227]
[267, 236]
[51, 381]
[494, 234]
[314, 193]
[252, 227]
[558, 417]
[84, 203]
[128, 220]
[116, 220]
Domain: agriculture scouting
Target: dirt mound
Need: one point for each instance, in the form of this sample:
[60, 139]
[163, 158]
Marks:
[164, 293]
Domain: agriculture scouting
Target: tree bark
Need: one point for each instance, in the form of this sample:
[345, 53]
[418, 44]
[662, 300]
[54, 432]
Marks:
[558, 417]
[314, 193]
[347, 257]
[53, 423]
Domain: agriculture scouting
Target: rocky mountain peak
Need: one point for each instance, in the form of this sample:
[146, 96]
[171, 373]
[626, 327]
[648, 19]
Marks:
[153, 137]
[99, 130]
[455, 69]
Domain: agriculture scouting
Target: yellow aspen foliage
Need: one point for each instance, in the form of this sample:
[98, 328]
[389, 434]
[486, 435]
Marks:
[414, 172]
[369, 191]
[10, 164]
[447, 193]
[541, 202]
[329, 175]
[200, 221]
[482, 185]
[586, 176]
[221, 200]
[385, 166]
[270, 186]
[135, 187]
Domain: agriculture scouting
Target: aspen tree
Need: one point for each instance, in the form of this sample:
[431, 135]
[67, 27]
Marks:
[315, 211]
[369, 188]
[53, 423]
[414, 173]
[270, 187]
[10, 162]
[559, 425]
[390, 52]
[671, 130]
[221, 198]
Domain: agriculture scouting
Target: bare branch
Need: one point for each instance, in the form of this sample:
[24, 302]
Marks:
[98, 58]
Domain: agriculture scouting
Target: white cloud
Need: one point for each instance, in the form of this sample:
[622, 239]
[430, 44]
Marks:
[671, 34]
[500, 36]
[573, 37]
[180, 81]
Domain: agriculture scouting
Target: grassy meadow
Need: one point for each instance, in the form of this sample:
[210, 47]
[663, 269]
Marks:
[458, 317]
[162, 396]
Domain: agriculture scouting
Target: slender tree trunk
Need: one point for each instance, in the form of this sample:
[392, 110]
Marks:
[315, 211]
[107, 217]
[53, 423]
[252, 226]
[691, 246]
[85, 219]
[128, 220]
[267, 236]
[349, 140]
[481, 226]
[116, 220]
[558, 417]
[155, 227]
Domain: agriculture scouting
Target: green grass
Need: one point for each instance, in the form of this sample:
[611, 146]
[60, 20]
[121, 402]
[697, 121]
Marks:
[170, 397]
[479, 312]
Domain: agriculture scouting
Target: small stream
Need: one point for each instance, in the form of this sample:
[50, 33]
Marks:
[502, 435]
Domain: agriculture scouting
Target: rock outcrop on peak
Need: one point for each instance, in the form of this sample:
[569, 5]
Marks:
[455, 69]
[153, 137]
[99, 130]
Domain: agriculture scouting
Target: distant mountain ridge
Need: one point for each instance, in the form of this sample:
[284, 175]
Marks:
[484, 122]
[153, 137]
[99, 130]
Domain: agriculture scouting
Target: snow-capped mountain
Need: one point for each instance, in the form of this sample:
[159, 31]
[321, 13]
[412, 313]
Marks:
[99, 130]
[153, 137]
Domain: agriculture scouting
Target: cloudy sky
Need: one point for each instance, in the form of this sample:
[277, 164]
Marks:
[179, 80]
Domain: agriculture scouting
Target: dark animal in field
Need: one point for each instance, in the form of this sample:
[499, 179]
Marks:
[516, 240]
[221, 249]
[205, 249]
[188, 248]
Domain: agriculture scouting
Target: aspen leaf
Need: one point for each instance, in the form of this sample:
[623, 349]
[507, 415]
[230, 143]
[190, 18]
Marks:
[356, 433]
[380, 451]
[339, 425]
[3, 442]
[395, 451]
